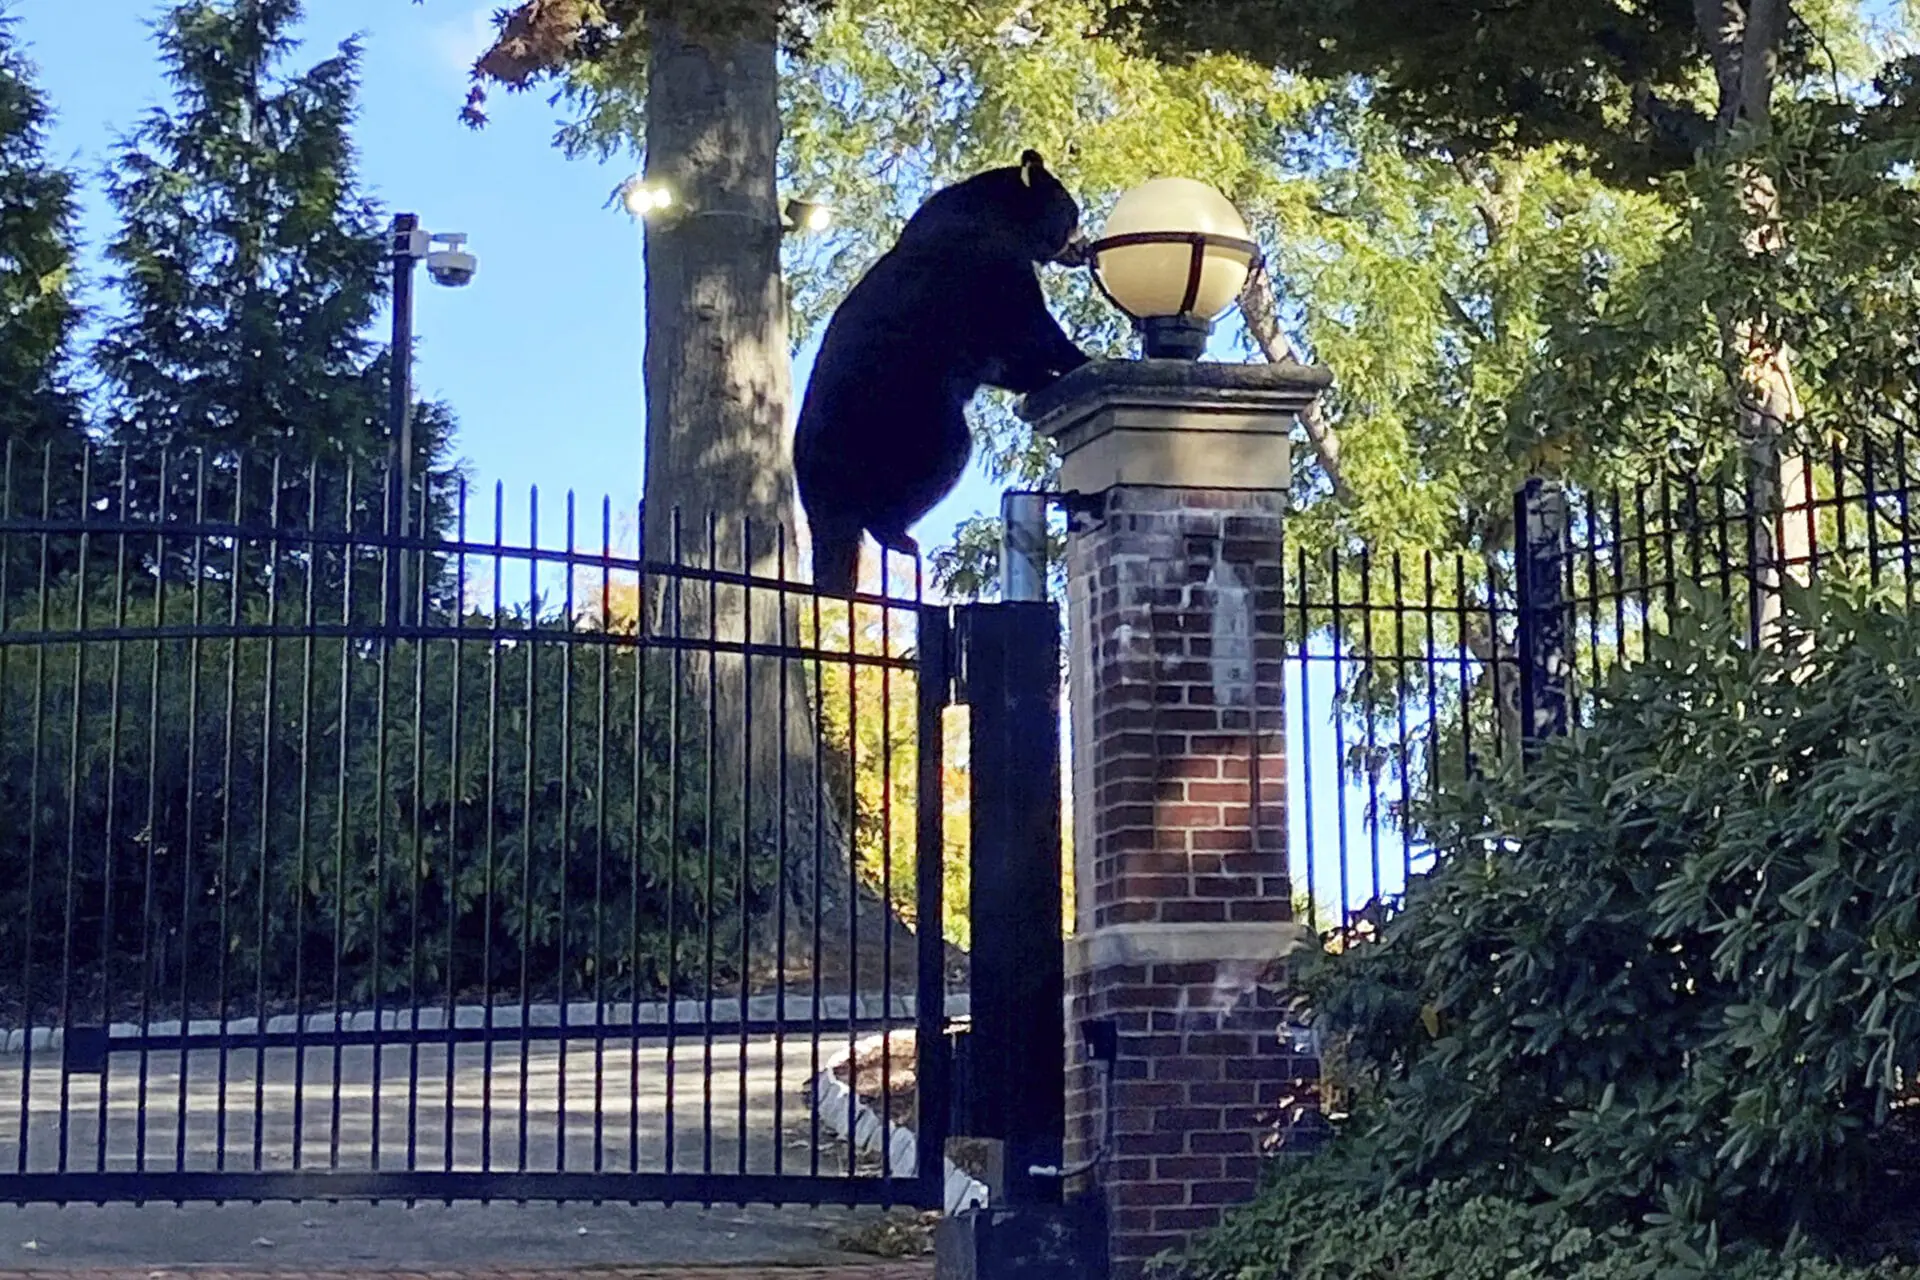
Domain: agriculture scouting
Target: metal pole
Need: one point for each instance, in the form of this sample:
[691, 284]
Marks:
[1009, 661]
[1023, 546]
[399, 409]
[1540, 524]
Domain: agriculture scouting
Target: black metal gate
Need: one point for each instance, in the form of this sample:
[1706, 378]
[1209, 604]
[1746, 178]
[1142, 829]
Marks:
[342, 864]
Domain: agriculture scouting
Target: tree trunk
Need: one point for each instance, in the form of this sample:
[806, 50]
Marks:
[1742, 38]
[718, 486]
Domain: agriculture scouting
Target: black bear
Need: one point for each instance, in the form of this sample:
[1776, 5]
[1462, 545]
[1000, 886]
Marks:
[956, 303]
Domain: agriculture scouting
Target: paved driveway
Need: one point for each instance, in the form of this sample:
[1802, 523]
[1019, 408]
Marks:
[514, 1111]
[725, 1107]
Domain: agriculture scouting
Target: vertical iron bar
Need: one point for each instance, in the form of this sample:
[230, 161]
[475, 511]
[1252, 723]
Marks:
[886, 873]
[1643, 541]
[193, 791]
[456, 778]
[1668, 549]
[1619, 571]
[1906, 529]
[1301, 585]
[853, 873]
[1339, 742]
[527, 816]
[301, 851]
[230, 719]
[599, 953]
[1871, 504]
[488, 874]
[1431, 663]
[933, 1088]
[818, 887]
[269, 704]
[147, 960]
[708, 842]
[349, 564]
[745, 834]
[566, 650]
[1593, 535]
[1467, 761]
[110, 844]
[780, 867]
[675, 584]
[1369, 663]
[1540, 514]
[390, 555]
[639, 848]
[1402, 695]
[68, 922]
[42, 595]
[1839, 504]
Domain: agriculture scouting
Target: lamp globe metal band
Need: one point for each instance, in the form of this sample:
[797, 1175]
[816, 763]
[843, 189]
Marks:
[1174, 255]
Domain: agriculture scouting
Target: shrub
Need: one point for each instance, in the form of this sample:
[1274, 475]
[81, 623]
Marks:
[1668, 976]
[1305, 1229]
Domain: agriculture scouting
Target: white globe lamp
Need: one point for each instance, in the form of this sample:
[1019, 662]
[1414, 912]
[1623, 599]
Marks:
[1174, 254]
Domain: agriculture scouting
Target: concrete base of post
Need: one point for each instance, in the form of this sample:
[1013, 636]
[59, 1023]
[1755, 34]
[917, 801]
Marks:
[1024, 1242]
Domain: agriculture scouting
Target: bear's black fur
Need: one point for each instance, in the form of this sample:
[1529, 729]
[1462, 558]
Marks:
[955, 304]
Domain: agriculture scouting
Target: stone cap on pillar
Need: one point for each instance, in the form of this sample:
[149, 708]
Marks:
[1186, 424]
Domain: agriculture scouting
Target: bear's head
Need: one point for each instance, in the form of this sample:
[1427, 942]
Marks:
[1020, 210]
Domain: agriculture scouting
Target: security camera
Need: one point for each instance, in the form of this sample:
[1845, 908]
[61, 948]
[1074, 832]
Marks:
[452, 266]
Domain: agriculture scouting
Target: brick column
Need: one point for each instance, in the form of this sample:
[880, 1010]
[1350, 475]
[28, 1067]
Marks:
[1183, 914]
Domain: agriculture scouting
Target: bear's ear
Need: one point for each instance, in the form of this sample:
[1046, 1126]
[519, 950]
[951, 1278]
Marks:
[1029, 161]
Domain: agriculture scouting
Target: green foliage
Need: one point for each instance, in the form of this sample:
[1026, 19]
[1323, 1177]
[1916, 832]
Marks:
[1320, 1222]
[1644, 357]
[1629, 85]
[38, 412]
[281, 812]
[1672, 968]
[1657, 1011]
[250, 266]
[37, 309]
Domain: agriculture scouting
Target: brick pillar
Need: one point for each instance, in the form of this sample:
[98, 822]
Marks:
[1178, 731]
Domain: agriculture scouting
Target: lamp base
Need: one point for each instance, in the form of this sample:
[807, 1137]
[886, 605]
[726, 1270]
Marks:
[1180, 337]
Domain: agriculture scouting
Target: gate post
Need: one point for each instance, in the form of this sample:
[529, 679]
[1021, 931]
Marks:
[1540, 534]
[1177, 474]
[1009, 679]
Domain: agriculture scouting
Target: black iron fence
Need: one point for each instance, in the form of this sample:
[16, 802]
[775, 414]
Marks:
[475, 862]
[453, 864]
[1408, 671]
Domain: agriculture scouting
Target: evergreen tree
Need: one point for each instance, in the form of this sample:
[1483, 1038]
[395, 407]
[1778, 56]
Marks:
[251, 265]
[37, 310]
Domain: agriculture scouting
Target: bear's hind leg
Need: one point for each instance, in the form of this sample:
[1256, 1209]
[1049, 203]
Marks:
[899, 543]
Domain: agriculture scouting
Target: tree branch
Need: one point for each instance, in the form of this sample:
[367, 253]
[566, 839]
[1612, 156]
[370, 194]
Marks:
[1759, 59]
[1482, 200]
[1460, 316]
[1257, 308]
[1723, 26]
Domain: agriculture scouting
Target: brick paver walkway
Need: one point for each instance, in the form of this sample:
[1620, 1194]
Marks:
[922, 1270]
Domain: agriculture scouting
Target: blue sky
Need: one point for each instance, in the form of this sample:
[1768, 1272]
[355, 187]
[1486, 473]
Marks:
[540, 357]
